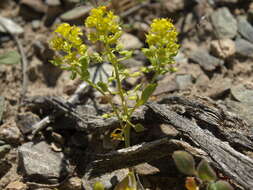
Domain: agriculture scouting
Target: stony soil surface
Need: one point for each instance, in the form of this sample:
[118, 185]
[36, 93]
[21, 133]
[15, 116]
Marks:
[215, 61]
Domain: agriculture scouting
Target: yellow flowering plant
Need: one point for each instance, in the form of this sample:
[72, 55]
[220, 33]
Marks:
[104, 30]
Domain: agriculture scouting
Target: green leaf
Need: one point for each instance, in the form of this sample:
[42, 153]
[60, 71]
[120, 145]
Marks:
[211, 186]
[220, 185]
[138, 128]
[126, 55]
[205, 172]
[147, 92]
[103, 86]
[98, 186]
[184, 162]
[11, 57]
[84, 60]
[128, 183]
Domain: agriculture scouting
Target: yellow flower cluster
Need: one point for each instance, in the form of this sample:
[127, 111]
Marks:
[67, 41]
[163, 34]
[162, 42]
[104, 26]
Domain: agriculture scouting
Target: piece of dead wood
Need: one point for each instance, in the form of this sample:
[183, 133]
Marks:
[232, 163]
[210, 115]
[136, 154]
[200, 122]
[222, 156]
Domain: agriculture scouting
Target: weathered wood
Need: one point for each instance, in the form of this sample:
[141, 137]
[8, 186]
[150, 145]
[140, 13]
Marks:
[145, 152]
[205, 125]
[207, 114]
[232, 163]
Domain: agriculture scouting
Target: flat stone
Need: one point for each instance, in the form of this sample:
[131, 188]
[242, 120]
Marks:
[244, 48]
[76, 15]
[11, 25]
[184, 81]
[129, 41]
[165, 86]
[109, 180]
[245, 29]
[217, 89]
[25, 121]
[38, 163]
[242, 94]
[223, 48]
[243, 110]
[224, 23]
[205, 60]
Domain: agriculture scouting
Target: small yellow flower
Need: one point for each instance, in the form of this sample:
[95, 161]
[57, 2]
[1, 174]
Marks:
[162, 42]
[162, 34]
[67, 41]
[104, 26]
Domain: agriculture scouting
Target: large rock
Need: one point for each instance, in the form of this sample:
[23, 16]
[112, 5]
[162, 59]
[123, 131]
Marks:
[38, 163]
[224, 23]
[244, 48]
[245, 29]
[205, 60]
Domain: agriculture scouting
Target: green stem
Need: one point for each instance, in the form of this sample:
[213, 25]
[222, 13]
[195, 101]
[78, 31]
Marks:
[127, 130]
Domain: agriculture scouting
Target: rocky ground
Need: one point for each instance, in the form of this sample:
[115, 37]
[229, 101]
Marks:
[215, 61]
